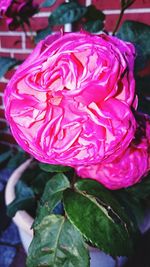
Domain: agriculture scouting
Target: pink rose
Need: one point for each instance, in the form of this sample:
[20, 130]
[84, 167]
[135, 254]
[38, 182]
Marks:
[4, 4]
[70, 101]
[17, 12]
[130, 167]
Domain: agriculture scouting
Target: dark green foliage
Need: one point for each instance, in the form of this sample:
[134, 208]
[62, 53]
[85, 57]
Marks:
[67, 13]
[24, 199]
[94, 14]
[6, 63]
[101, 211]
[52, 195]
[42, 34]
[139, 34]
[94, 26]
[54, 168]
[5, 156]
[57, 243]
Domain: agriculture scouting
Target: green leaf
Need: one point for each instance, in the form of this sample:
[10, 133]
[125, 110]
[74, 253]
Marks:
[52, 196]
[94, 19]
[54, 168]
[104, 196]
[142, 90]
[16, 160]
[119, 201]
[42, 34]
[24, 199]
[141, 190]
[94, 26]
[5, 156]
[136, 32]
[39, 182]
[5, 64]
[139, 34]
[48, 3]
[57, 243]
[93, 13]
[126, 3]
[30, 174]
[132, 206]
[67, 13]
[105, 225]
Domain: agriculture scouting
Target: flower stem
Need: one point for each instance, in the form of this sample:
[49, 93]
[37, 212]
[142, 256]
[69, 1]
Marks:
[74, 179]
[123, 8]
[118, 22]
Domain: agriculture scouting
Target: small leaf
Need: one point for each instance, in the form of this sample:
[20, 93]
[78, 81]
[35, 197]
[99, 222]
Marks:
[57, 243]
[67, 13]
[5, 64]
[94, 26]
[48, 3]
[93, 13]
[42, 34]
[52, 196]
[112, 232]
[54, 168]
[123, 3]
[39, 182]
[24, 199]
[5, 156]
[139, 34]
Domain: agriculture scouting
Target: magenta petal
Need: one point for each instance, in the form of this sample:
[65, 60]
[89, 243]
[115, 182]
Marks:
[71, 101]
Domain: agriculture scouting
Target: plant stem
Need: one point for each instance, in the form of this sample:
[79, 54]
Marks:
[123, 8]
[74, 179]
[118, 21]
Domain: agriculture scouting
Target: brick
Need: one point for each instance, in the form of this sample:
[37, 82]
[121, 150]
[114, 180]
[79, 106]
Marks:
[38, 23]
[21, 56]
[103, 4]
[111, 19]
[3, 54]
[11, 42]
[2, 87]
[10, 73]
[3, 25]
[30, 42]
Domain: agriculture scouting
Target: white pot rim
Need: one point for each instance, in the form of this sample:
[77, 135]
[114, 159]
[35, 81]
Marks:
[22, 219]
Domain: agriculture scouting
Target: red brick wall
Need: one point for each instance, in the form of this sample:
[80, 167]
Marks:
[17, 44]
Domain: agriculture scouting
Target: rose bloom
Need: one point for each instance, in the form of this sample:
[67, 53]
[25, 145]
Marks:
[17, 12]
[4, 4]
[70, 102]
[130, 167]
